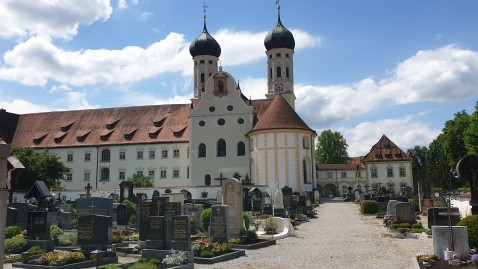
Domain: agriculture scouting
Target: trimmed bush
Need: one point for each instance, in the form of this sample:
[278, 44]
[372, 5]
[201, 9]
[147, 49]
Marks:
[394, 226]
[471, 222]
[51, 258]
[55, 231]
[155, 261]
[143, 265]
[368, 207]
[206, 254]
[206, 219]
[15, 245]
[36, 250]
[405, 225]
[417, 225]
[251, 236]
[116, 239]
[11, 231]
[247, 221]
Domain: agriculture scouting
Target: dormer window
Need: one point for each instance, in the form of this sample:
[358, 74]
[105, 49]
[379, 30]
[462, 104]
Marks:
[112, 124]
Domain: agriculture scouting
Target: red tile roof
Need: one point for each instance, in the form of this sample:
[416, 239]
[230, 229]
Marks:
[279, 115]
[386, 150]
[126, 125]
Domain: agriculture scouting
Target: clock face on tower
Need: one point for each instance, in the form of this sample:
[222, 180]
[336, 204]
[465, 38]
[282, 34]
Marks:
[278, 87]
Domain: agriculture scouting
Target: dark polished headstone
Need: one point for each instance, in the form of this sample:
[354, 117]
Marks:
[94, 206]
[181, 237]
[23, 208]
[12, 216]
[382, 207]
[405, 213]
[95, 230]
[158, 205]
[122, 212]
[173, 206]
[219, 230]
[143, 219]
[39, 225]
[168, 228]
[287, 190]
[438, 216]
[302, 200]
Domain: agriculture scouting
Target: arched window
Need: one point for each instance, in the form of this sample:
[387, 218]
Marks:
[270, 73]
[207, 180]
[221, 148]
[105, 174]
[305, 167]
[202, 77]
[287, 72]
[279, 71]
[202, 151]
[373, 171]
[105, 155]
[241, 149]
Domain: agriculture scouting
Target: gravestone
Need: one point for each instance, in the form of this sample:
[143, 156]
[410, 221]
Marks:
[405, 213]
[143, 219]
[158, 205]
[173, 206]
[246, 199]
[155, 193]
[94, 232]
[438, 216]
[12, 216]
[181, 237]
[286, 190]
[219, 230]
[178, 197]
[425, 195]
[316, 196]
[257, 204]
[295, 203]
[440, 237]
[65, 207]
[391, 207]
[63, 219]
[219, 197]
[287, 200]
[155, 233]
[94, 206]
[232, 190]
[23, 209]
[382, 207]
[194, 212]
[122, 212]
[38, 225]
[278, 201]
[168, 228]
[302, 201]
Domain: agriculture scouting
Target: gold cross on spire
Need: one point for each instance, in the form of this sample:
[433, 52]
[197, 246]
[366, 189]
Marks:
[204, 7]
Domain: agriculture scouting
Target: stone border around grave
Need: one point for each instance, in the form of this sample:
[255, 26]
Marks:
[221, 258]
[79, 265]
[261, 244]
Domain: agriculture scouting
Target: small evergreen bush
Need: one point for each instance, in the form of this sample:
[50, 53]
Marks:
[247, 221]
[55, 231]
[115, 239]
[251, 236]
[417, 225]
[11, 231]
[368, 207]
[206, 254]
[15, 245]
[143, 265]
[405, 225]
[471, 222]
[36, 250]
[394, 226]
[206, 219]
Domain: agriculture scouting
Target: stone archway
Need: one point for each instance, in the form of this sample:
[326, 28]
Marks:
[329, 189]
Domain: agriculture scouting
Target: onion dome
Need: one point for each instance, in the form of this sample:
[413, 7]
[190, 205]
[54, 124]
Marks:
[205, 44]
[279, 37]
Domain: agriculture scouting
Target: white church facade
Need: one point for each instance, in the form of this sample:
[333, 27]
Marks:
[186, 147]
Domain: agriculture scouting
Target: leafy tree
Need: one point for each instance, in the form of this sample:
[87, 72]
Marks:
[437, 164]
[39, 166]
[453, 138]
[331, 148]
[141, 181]
[418, 154]
[471, 133]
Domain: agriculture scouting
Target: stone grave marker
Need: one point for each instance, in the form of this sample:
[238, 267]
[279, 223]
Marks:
[278, 200]
[438, 216]
[425, 195]
[194, 212]
[94, 206]
[12, 216]
[316, 196]
[181, 237]
[295, 202]
[63, 219]
[219, 197]
[122, 212]
[246, 199]
[440, 237]
[38, 225]
[302, 200]
[287, 200]
[382, 207]
[178, 197]
[173, 206]
[155, 233]
[232, 190]
[219, 230]
[405, 213]
[22, 215]
[168, 228]
[391, 207]
[158, 205]
[155, 193]
[94, 231]
[143, 219]
[65, 207]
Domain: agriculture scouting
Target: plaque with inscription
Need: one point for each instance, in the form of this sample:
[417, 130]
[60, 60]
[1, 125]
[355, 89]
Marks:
[95, 230]
[143, 219]
[94, 206]
[219, 230]
[38, 224]
[156, 229]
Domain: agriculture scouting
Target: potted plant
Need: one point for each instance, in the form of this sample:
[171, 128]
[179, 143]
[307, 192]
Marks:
[55, 231]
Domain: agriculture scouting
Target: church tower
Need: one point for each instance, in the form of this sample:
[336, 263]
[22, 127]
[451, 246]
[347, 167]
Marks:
[280, 46]
[205, 52]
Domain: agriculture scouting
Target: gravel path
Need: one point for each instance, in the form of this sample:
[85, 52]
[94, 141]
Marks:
[339, 238]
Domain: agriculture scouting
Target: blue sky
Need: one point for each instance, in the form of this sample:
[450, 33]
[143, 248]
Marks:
[363, 68]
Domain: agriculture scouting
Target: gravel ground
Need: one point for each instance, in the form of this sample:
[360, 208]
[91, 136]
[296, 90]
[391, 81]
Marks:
[339, 238]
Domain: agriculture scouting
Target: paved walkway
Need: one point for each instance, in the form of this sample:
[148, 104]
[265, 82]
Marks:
[339, 238]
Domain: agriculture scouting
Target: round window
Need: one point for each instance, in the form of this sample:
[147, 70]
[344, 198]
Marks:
[240, 120]
[221, 122]
[202, 123]
[212, 109]
[230, 108]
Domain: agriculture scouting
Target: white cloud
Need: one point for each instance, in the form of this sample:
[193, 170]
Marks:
[145, 16]
[57, 88]
[122, 4]
[405, 132]
[76, 101]
[56, 19]
[23, 107]
[254, 88]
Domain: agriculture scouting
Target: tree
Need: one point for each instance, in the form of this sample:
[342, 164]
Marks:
[39, 166]
[471, 133]
[453, 138]
[331, 148]
[418, 155]
[140, 181]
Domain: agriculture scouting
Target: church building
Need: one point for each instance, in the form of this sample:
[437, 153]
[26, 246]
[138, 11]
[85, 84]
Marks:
[186, 147]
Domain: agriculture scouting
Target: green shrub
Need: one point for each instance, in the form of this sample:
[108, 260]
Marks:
[55, 231]
[142, 260]
[394, 226]
[132, 208]
[206, 254]
[68, 238]
[251, 236]
[269, 225]
[15, 245]
[143, 265]
[417, 225]
[52, 258]
[206, 219]
[368, 207]
[11, 231]
[109, 266]
[405, 225]
[155, 261]
[36, 250]
[415, 203]
[73, 257]
[247, 221]
[116, 239]
[471, 222]
[11, 258]
[464, 189]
